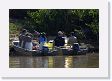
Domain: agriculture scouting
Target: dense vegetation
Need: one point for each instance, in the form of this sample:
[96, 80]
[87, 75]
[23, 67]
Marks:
[85, 22]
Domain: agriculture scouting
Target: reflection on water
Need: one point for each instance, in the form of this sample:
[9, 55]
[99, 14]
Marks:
[80, 61]
[68, 62]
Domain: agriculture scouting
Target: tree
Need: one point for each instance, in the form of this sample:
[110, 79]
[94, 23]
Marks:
[85, 21]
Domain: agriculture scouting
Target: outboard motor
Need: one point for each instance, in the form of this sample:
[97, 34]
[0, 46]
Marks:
[76, 48]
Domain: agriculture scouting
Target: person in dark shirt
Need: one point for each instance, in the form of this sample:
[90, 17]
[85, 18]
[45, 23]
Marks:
[59, 41]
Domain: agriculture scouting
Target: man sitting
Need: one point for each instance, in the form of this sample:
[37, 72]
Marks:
[59, 41]
[72, 39]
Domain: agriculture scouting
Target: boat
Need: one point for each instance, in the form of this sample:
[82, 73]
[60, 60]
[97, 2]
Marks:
[22, 51]
[56, 51]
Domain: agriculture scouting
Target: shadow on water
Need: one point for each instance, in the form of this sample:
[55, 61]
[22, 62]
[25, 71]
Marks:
[79, 61]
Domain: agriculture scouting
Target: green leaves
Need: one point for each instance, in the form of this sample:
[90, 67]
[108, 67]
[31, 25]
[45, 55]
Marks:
[67, 20]
[13, 28]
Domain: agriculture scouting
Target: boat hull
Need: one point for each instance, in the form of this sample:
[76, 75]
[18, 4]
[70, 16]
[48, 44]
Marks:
[58, 51]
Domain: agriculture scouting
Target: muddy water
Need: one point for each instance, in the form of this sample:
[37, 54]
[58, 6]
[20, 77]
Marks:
[79, 61]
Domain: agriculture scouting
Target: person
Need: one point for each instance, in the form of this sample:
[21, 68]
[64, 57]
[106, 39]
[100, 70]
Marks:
[59, 40]
[65, 38]
[36, 35]
[35, 40]
[21, 38]
[72, 39]
[42, 39]
[28, 41]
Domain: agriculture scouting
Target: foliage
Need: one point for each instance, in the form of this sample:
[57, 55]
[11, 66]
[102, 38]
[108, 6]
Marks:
[85, 21]
[12, 28]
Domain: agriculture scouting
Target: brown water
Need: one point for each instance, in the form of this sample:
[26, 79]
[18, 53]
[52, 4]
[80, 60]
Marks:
[79, 61]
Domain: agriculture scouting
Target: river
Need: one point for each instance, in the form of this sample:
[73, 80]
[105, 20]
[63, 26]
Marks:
[90, 60]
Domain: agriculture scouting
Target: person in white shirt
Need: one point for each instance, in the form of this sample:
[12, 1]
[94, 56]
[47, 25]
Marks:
[21, 38]
[72, 39]
[28, 42]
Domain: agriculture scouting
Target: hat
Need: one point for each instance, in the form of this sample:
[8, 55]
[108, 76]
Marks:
[37, 33]
[60, 32]
[43, 33]
[24, 31]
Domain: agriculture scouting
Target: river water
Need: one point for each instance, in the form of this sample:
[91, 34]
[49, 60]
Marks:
[79, 61]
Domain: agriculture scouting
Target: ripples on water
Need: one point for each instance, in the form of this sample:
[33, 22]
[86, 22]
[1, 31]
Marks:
[80, 61]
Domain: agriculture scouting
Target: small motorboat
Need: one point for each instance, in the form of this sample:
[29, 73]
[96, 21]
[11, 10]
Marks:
[22, 51]
[55, 51]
